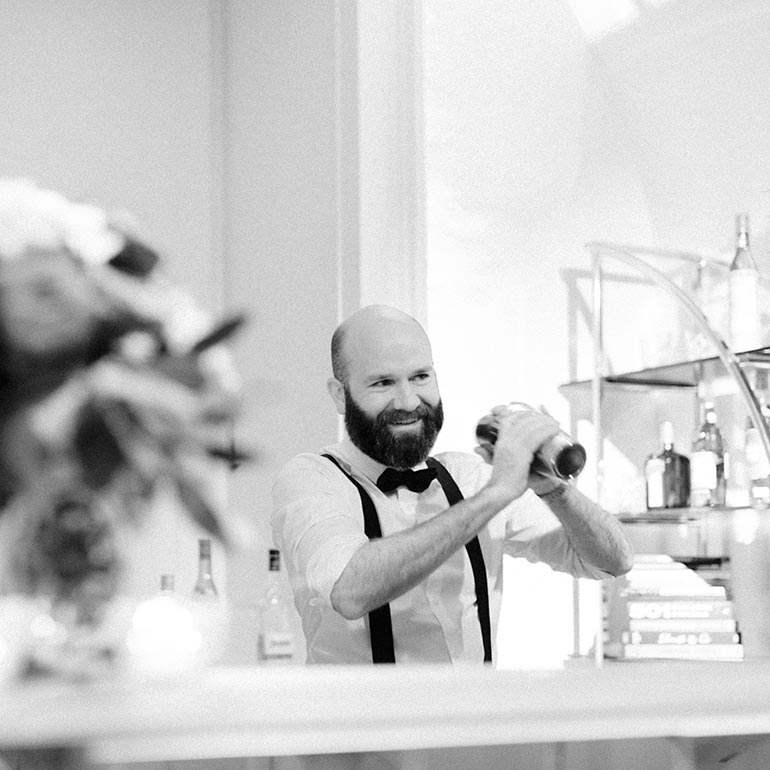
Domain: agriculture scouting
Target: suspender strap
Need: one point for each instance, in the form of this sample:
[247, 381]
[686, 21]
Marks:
[380, 625]
[473, 547]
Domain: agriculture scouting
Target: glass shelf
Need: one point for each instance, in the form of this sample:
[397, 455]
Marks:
[683, 374]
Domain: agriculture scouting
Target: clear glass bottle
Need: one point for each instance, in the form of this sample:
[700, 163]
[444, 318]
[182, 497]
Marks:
[744, 291]
[204, 588]
[275, 635]
[707, 462]
[667, 474]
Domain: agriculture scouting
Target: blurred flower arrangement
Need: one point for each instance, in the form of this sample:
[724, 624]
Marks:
[111, 380]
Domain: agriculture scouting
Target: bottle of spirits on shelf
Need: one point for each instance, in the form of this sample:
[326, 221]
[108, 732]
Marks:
[275, 635]
[744, 291]
[205, 587]
[667, 474]
[707, 462]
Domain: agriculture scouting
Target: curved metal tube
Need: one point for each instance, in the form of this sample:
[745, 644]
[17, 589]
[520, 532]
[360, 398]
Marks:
[600, 250]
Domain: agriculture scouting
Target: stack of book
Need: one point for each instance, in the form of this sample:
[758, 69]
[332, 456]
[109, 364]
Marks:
[662, 609]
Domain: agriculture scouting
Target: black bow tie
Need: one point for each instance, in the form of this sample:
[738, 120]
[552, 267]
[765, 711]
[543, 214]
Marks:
[417, 481]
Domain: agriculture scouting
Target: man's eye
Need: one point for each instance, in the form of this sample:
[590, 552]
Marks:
[422, 376]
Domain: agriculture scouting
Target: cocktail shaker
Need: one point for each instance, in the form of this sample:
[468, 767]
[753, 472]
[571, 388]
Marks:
[560, 456]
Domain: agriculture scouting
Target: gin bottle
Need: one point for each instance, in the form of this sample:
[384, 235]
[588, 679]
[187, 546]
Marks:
[667, 474]
[744, 291]
[275, 635]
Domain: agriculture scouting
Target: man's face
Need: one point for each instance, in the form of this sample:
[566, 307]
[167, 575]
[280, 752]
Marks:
[389, 396]
[394, 437]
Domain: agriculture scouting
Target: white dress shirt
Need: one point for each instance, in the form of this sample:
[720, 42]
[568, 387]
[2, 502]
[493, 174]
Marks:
[318, 525]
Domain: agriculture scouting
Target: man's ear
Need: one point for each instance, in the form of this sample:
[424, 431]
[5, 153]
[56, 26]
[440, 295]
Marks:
[337, 392]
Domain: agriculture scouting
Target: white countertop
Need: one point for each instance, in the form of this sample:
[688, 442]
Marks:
[232, 712]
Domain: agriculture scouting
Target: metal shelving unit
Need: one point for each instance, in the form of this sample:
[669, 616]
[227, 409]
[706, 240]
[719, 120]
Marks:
[680, 374]
[685, 373]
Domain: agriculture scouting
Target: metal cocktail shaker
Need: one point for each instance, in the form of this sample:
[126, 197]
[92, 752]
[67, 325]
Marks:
[560, 456]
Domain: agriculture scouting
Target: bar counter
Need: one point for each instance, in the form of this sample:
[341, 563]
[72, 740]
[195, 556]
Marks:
[251, 712]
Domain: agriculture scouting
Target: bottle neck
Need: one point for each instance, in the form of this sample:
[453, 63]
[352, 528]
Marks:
[667, 436]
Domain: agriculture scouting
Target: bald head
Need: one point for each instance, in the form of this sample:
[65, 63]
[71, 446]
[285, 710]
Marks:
[371, 333]
[385, 386]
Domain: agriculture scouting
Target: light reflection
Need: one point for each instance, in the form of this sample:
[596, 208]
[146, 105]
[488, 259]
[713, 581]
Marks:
[164, 638]
[597, 18]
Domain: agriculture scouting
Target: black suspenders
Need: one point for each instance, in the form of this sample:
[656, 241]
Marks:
[380, 625]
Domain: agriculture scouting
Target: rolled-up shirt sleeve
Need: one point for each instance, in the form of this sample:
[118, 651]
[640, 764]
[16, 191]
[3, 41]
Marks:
[317, 524]
[534, 533]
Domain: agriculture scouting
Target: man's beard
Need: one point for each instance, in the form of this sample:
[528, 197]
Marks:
[396, 450]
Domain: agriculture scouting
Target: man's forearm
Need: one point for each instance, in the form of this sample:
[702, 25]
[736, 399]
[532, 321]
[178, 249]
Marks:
[388, 567]
[595, 535]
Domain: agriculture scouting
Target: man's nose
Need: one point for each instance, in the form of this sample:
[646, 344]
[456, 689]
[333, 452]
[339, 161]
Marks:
[406, 398]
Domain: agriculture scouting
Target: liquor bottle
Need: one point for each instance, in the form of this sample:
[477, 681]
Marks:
[667, 474]
[744, 291]
[205, 587]
[275, 637]
[707, 462]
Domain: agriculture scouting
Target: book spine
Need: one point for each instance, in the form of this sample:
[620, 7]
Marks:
[689, 625]
[677, 592]
[675, 651]
[677, 608]
[680, 637]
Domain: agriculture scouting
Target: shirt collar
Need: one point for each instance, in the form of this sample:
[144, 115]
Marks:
[347, 451]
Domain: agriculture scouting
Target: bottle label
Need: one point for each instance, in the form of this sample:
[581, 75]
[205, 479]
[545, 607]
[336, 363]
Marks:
[703, 470]
[276, 646]
[744, 310]
[654, 473]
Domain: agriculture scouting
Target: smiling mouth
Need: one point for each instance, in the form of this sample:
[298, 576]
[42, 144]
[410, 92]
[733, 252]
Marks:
[407, 424]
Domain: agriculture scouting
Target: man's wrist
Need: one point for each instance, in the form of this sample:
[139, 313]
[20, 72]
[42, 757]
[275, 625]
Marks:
[553, 494]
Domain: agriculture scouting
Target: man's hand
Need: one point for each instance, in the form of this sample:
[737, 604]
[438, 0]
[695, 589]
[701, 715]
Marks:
[520, 433]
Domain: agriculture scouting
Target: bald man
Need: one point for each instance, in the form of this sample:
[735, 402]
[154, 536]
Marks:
[396, 556]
